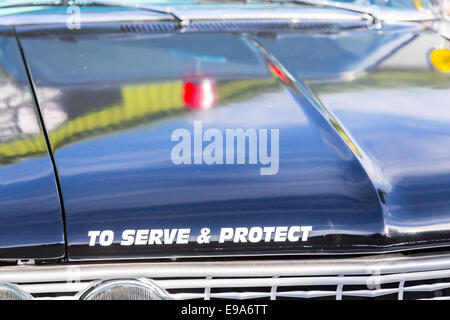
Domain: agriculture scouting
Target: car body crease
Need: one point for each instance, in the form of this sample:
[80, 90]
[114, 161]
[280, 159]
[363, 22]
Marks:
[363, 159]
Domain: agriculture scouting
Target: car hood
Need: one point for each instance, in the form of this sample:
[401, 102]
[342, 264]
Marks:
[347, 141]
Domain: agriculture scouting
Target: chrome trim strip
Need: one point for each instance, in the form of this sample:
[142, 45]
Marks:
[321, 14]
[280, 13]
[378, 13]
[269, 279]
[30, 19]
[324, 10]
[386, 264]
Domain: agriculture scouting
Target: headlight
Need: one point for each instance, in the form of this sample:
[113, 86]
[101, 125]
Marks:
[127, 289]
[11, 292]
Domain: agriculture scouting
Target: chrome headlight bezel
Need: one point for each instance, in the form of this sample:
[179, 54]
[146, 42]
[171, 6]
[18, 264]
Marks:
[10, 291]
[124, 289]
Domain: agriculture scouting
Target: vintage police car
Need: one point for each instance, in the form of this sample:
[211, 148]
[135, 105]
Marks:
[199, 149]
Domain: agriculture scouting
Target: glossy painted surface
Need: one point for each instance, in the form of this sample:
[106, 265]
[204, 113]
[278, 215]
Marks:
[112, 102]
[404, 127]
[398, 113]
[30, 214]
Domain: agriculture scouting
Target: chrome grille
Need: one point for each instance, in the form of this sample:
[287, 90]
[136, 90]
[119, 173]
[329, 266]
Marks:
[380, 277]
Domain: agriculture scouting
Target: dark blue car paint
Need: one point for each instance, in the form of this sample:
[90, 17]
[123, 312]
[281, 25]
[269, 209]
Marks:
[334, 164]
[30, 212]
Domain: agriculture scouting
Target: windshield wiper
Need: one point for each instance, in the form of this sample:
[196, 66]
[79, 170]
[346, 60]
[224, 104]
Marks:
[181, 20]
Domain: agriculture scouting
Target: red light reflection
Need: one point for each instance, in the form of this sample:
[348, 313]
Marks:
[278, 72]
[200, 94]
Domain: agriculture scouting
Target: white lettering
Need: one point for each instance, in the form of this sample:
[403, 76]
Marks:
[226, 234]
[127, 237]
[93, 235]
[106, 238]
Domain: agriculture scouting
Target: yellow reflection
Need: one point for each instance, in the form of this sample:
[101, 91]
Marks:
[418, 4]
[140, 104]
[440, 59]
[340, 130]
